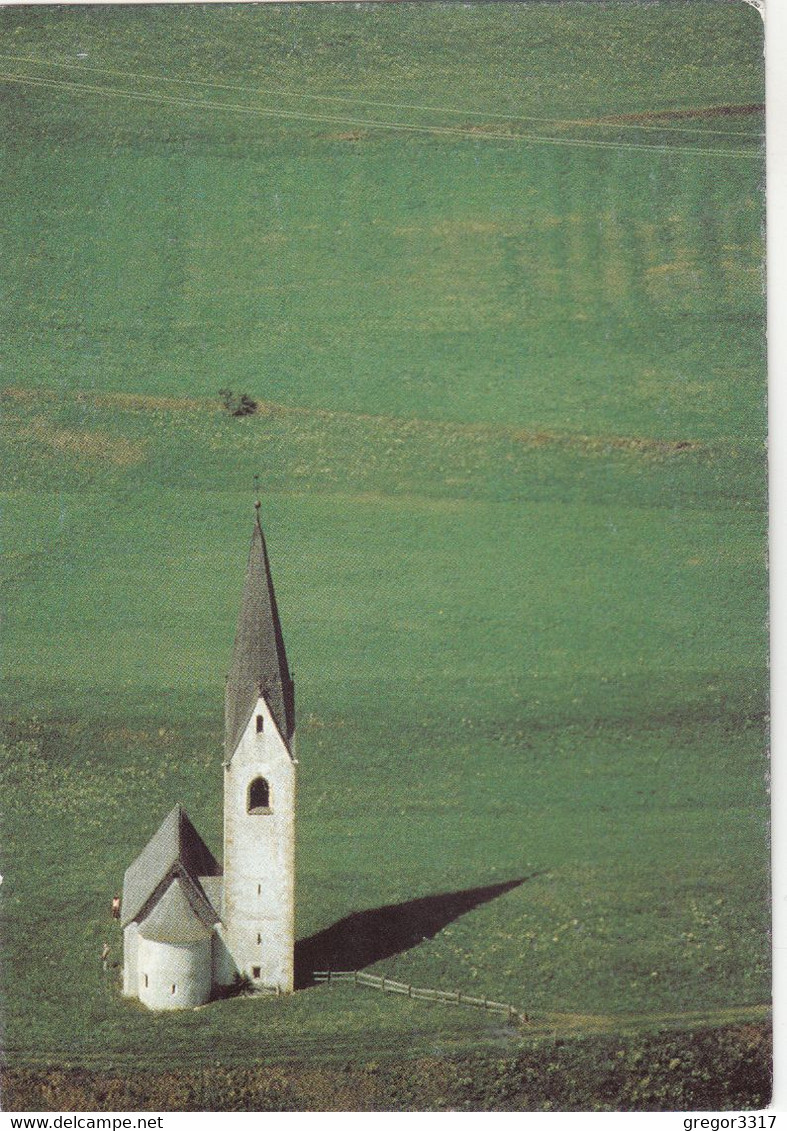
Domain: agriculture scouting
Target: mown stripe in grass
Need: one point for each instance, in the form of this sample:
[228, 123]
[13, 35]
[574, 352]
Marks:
[105, 440]
[644, 445]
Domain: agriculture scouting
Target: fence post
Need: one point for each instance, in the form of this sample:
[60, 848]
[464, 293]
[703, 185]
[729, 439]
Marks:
[355, 977]
[409, 991]
[382, 983]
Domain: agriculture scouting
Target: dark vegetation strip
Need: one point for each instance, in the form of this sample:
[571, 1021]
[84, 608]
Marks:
[716, 1069]
[679, 115]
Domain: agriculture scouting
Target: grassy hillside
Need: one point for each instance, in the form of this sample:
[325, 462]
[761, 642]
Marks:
[504, 321]
[173, 249]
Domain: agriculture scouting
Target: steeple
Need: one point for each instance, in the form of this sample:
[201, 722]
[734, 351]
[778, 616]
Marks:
[259, 662]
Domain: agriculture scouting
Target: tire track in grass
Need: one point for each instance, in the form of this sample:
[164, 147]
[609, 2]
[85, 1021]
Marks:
[457, 132]
[691, 1018]
[633, 121]
[400, 427]
[345, 1045]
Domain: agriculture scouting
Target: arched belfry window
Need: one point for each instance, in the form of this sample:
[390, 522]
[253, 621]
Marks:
[259, 797]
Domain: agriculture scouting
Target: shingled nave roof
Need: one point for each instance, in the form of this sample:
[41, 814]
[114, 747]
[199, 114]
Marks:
[259, 662]
[176, 848]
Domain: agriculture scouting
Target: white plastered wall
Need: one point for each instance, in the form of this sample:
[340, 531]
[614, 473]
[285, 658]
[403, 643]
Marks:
[130, 944]
[259, 858]
[174, 975]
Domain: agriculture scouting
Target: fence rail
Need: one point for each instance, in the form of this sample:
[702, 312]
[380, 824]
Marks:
[420, 993]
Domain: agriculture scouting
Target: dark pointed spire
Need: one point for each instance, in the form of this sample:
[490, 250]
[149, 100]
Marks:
[259, 662]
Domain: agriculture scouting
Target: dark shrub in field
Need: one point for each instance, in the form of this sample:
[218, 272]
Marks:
[238, 404]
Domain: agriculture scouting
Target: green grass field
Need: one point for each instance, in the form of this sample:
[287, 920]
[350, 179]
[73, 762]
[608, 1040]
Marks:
[494, 273]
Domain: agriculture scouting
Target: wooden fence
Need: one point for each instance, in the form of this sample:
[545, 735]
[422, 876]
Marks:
[420, 993]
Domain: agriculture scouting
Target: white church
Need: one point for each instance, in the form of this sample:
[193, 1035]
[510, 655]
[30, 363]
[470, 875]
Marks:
[191, 929]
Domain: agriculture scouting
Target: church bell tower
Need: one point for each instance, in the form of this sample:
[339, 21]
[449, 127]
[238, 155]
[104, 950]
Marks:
[258, 915]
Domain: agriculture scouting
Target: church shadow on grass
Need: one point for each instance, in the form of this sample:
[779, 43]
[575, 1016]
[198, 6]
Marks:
[366, 937]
